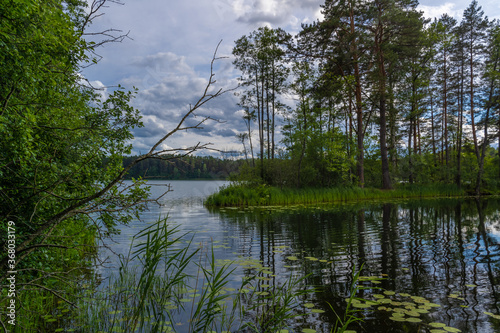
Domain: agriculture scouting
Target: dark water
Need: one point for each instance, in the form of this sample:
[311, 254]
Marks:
[446, 251]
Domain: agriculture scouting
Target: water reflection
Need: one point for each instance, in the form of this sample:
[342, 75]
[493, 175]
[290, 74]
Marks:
[447, 251]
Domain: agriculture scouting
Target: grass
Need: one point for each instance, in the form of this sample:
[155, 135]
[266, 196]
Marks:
[165, 283]
[348, 318]
[152, 287]
[262, 195]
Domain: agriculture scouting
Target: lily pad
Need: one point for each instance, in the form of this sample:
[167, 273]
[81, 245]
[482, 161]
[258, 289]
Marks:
[309, 305]
[413, 320]
[384, 300]
[361, 305]
[317, 311]
[413, 313]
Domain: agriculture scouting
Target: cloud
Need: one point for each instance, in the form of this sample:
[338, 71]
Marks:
[168, 87]
[437, 11]
[275, 13]
[170, 48]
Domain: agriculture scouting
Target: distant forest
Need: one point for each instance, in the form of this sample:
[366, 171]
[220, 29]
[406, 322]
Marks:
[188, 167]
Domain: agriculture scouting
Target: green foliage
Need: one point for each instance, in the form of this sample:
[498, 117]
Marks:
[61, 151]
[349, 316]
[264, 195]
[427, 90]
[150, 293]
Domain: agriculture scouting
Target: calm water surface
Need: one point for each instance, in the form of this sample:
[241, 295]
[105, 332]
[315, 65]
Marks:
[446, 251]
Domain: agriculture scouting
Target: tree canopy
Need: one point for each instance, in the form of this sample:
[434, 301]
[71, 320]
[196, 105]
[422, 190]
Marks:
[382, 96]
[62, 147]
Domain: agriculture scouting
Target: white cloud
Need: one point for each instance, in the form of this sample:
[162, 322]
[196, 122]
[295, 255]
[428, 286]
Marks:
[171, 46]
[438, 10]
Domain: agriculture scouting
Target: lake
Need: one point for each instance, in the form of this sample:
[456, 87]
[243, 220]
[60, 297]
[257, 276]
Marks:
[438, 260]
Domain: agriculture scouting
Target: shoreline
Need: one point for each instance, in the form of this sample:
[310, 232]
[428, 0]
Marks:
[263, 195]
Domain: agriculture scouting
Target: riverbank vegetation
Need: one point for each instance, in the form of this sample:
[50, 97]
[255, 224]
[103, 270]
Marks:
[63, 141]
[381, 96]
[181, 284]
[61, 158]
[263, 195]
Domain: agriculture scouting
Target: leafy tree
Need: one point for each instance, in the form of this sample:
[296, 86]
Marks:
[260, 58]
[340, 40]
[491, 87]
[62, 145]
[474, 26]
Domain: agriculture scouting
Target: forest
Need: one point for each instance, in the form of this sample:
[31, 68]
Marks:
[376, 95]
[372, 96]
[187, 167]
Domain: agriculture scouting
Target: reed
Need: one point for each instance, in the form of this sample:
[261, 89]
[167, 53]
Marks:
[272, 311]
[242, 195]
[346, 319]
[149, 293]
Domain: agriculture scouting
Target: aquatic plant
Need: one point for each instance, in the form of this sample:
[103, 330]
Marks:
[263, 195]
[271, 310]
[164, 283]
[345, 320]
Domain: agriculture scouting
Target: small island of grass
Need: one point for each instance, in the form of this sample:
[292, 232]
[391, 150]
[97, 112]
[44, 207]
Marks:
[238, 194]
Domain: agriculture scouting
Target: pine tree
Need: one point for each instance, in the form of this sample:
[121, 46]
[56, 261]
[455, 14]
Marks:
[474, 26]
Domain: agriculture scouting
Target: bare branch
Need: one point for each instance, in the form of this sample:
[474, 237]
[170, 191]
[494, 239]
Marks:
[84, 206]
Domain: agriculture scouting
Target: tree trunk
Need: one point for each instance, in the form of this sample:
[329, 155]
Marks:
[268, 122]
[432, 132]
[386, 178]
[486, 141]
[458, 180]
[483, 150]
[410, 159]
[359, 107]
[260, 116]
[273, 126]
[445, 110]
[473, 121]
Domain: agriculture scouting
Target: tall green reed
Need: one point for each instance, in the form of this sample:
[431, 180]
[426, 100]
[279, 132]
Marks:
[243, 195]
[273, 310]
[149, 292]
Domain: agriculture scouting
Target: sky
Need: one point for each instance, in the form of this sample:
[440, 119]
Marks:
[169, 49]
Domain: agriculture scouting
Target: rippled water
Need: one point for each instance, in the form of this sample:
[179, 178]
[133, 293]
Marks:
[446, 251]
